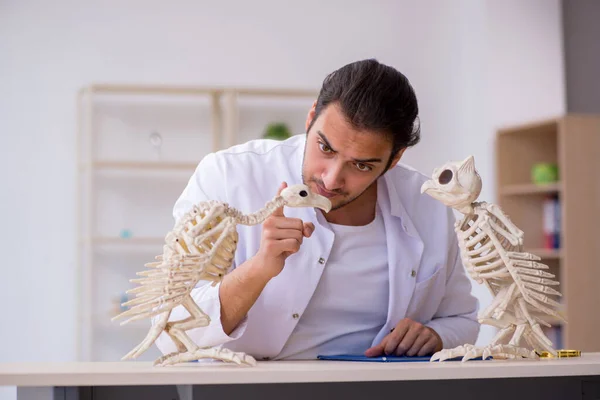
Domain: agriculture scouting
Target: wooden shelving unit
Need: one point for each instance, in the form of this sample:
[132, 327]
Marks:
[107, 240]
[137, 147]
[132, 165]
[530, 188]
[573, 143]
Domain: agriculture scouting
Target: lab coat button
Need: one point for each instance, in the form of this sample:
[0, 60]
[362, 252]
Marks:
[295, 316]
[413, 273]
[321, 260]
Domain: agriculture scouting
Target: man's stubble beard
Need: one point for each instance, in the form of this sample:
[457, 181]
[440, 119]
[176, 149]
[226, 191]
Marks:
[343, 203]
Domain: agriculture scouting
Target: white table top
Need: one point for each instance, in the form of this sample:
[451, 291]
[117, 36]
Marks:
[144, 373]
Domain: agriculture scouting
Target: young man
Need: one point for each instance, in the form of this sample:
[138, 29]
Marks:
[379, 274]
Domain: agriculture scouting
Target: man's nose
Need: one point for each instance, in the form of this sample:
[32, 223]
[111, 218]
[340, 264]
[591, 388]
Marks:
[333, 178]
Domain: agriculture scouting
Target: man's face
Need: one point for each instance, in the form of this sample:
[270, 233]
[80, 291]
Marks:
[341, 162]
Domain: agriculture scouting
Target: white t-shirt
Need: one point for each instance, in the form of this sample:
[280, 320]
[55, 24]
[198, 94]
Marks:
[349, 306]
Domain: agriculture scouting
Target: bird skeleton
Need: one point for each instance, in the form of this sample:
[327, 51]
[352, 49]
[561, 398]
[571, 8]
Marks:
[491, 248]
[200, 247]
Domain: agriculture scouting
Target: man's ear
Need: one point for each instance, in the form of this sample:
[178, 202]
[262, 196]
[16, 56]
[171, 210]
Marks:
[311, 115]
[396, 158]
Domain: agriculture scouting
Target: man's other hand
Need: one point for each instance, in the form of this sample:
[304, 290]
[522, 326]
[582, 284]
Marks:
[408, 338]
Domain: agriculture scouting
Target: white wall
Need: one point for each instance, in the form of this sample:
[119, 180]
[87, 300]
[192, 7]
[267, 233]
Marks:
[475, 65]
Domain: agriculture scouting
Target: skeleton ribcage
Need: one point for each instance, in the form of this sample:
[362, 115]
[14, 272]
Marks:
[200, 247]
[483, 259]
[489, 256]
[194, 238]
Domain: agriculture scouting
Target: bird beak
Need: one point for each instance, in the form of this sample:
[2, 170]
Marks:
[427, 186]
[321, 202]
[469, 160]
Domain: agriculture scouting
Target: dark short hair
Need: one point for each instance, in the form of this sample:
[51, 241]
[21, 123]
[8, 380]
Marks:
[374, 97]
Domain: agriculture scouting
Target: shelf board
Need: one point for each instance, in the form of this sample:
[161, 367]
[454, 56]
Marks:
[547, 254]
[531, 188]
[265, 92]
[200, 90]
[547, 125]
[127, 241]
[153, 89]
[133, 165]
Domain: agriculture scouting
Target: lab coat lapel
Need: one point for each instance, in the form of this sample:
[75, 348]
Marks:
[404, 249]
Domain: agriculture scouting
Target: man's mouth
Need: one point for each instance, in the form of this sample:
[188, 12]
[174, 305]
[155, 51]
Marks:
[325, 193]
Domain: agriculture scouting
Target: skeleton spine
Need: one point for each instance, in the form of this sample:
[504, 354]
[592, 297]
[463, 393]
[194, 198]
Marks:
[259, 216]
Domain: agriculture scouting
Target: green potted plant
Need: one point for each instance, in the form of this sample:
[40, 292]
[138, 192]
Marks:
[277, 131]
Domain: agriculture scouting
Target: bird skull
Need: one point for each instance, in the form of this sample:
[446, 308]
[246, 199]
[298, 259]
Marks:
[456, 184]
[301, 196]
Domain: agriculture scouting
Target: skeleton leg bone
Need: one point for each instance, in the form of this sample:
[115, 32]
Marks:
[487, 313]
[513, 324]
[152, 335]
[516, 339]
[503, 333]
[178, 343]
[512, 349]
[506, 300]
[508, 324]
[198, 319]
[536, 334]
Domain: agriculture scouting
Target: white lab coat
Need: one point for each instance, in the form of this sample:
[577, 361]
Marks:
[427, 281]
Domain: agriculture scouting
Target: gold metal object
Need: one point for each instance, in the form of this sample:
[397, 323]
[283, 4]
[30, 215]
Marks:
[568, 353]
[563, 353]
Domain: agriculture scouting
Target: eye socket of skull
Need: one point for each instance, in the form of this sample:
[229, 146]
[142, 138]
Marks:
[445, 177]
[303, 193]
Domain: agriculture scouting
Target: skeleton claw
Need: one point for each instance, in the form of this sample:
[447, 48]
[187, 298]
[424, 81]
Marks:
[460, 351]
[470, 352]
[206, 353]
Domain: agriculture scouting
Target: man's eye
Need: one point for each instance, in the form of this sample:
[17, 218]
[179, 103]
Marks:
[363, 167]
[324, 148]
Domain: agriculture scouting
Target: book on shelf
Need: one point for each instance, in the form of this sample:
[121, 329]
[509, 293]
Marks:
[551, 222]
